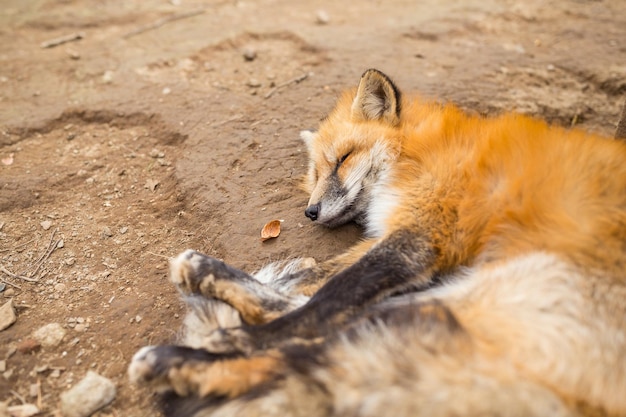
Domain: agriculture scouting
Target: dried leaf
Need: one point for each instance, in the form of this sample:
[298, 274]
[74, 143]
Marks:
[270, 230]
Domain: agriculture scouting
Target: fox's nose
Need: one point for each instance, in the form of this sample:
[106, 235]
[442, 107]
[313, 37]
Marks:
[312, 211]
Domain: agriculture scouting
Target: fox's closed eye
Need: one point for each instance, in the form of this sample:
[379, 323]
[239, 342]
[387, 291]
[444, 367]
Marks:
[343, 158]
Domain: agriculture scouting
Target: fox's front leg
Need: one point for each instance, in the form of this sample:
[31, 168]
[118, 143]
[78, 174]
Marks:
[308, 281]
[401, 260]
[196, 274]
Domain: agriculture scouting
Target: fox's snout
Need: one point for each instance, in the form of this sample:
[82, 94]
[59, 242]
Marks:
[312, 211]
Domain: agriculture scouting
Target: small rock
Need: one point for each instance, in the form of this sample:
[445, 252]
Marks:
[9, 292]
[123, 230]
[89, 395]
[253, 82]
[41, 368]
[138, 318]
[249, 54]
[50, 335]
[155, 153]
[46, 224]
[106, 232]
[60, 287]
[33, 390]
[80, 328]
[73, 54]
[151, 184]
[322, 17]
[60, 244]
[23, 410]
[7, 315]
[2, 286]
[3, 365]
[166, 91]
[107, 77]
[28, 345]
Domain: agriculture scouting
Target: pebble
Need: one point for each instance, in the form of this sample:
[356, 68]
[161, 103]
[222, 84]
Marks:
[123, 230]
[7, 315]
[89, 395]
[9, 292]
[322, 17]
[46, 224]
[106, 232]
[3, 365]
[50, 335]
[253, 82]
[107, 77]
[155, 153]
[249, 54]
[23, 410]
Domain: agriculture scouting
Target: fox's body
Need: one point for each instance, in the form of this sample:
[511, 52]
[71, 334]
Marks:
[492, 282]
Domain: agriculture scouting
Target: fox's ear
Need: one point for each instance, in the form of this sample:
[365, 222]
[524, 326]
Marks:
[307, 137]
[377, 98]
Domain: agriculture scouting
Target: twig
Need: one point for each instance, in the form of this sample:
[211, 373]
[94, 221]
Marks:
[63, 39]
[230, 119]
[51, 247]
[295, 80]
[160, 256]
[162, 22]
[11, 284]
[18, 396]
[48, 247]
[12, 275]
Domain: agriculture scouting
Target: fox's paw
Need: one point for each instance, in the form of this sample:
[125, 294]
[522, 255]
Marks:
[198, 372]
[196, 274]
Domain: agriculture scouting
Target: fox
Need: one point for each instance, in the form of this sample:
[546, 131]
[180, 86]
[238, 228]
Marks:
[491, 278]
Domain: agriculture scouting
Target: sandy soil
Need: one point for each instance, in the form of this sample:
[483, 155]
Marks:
[174, 125]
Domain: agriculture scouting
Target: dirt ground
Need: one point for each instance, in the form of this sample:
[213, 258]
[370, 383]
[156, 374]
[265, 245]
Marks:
[174, 124]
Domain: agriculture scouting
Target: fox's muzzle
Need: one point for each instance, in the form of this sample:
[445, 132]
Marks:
[312, 211]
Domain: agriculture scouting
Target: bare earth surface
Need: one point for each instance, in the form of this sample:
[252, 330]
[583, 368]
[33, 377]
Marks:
[174, 125]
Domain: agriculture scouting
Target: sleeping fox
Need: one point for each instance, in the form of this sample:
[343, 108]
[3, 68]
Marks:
[492, 279]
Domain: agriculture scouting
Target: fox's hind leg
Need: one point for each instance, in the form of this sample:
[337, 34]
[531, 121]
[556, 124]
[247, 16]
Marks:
[197, 372]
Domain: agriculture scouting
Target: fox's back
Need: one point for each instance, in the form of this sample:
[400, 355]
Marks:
[519, 184]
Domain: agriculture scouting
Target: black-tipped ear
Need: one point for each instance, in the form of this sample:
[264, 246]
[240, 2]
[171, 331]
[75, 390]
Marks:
[377, 98]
